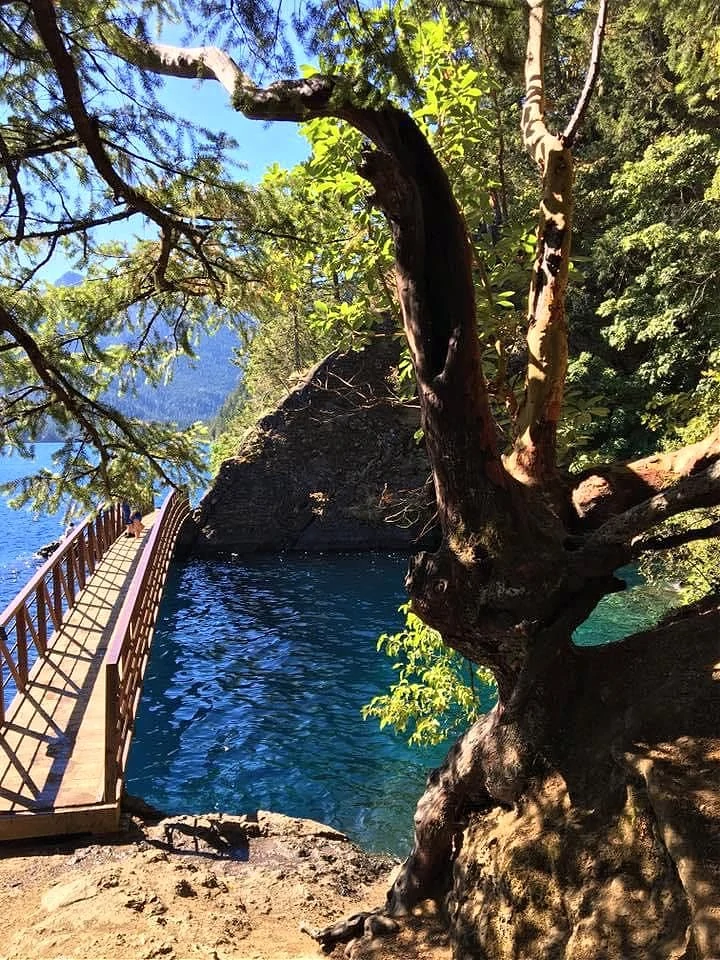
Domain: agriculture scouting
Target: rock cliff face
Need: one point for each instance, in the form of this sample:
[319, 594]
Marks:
[335, 467]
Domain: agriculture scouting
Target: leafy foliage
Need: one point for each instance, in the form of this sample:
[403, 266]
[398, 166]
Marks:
[331, 281]
[646, 322]
[437, 692]
[74, 360]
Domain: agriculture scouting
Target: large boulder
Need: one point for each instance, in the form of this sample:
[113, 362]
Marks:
[337, 466]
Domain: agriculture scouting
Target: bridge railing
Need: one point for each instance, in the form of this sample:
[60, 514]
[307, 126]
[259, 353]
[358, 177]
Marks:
[129, 648]
[28, 622]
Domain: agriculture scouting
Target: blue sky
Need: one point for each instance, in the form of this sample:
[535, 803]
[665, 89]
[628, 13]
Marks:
[208, 103]
[261, 144]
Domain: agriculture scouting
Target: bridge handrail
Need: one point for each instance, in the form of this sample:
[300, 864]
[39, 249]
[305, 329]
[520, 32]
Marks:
[50, 595]
[129, 647]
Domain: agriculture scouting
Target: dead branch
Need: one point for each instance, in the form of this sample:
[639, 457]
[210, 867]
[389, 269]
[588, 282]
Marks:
[593, 71]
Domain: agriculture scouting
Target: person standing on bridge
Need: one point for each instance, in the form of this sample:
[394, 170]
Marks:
[136, 524]
[127, 518]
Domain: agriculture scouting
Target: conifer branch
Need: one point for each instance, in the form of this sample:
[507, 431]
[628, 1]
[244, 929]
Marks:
[87, 127]
[16, 189]
[77, 404]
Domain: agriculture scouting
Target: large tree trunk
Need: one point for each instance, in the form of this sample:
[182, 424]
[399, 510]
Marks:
[613, 849]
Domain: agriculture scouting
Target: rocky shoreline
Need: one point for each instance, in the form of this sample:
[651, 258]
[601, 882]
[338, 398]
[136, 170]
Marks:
[213, 886]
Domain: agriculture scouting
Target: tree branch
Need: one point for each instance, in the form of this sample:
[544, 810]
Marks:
[533, 459]
[86, 126]
[56, 385]
[190, 63]
[75, 402]
[573, 125]
[77, 226]
[606, 491]
[532, 124]
[32, 151]
[15, 187]
[616, 540]
[709, 532]
[432, 257]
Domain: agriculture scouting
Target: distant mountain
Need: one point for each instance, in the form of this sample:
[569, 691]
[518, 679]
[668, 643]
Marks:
[69, 279]
[198, 387]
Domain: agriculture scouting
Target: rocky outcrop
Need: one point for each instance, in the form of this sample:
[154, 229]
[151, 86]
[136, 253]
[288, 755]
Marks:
[546, 880]
[337, 466]
[208, 886]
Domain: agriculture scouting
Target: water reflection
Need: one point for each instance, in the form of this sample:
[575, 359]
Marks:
[253, 696]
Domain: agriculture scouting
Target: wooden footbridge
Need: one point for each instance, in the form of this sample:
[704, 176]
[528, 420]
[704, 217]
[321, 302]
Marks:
[74, 645]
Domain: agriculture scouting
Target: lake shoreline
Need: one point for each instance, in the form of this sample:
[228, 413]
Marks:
[138, 895]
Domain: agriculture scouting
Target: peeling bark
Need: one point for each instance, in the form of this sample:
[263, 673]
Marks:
[603, 492]
[534, 453]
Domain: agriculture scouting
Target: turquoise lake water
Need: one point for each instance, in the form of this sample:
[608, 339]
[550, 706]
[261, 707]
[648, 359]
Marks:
[23, 534]
[258, 673]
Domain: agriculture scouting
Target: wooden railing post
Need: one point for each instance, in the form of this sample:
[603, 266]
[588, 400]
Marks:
[91, 548]
[22, 651]
[57, 594]
[70, 578]
[81, 561]
[4, 671]
[41, 610]
[112, 694]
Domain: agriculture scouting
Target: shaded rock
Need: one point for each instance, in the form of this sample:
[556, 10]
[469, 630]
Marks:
[335, 467]
[550, 880]
[183, 888]
[48, 549]
[138, 807]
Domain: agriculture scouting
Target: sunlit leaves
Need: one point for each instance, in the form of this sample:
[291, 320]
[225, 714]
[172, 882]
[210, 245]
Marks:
[665, 307]
[436, 693]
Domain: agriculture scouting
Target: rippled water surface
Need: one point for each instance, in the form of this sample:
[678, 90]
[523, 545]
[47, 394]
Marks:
[254, 689]
[253, 693]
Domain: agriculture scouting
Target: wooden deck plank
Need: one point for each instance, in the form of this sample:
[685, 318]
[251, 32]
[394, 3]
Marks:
[52, 741]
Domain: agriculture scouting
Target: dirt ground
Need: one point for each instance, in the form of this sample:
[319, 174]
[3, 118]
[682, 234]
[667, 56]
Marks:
[213, 888]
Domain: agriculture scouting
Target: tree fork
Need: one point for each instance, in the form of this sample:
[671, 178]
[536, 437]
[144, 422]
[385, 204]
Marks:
[533, 459]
